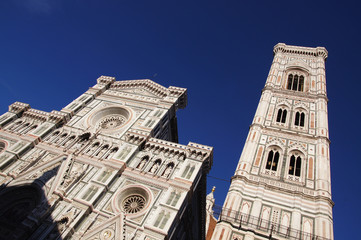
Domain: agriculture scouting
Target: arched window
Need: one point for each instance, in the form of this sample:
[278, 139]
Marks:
[103, 177]
[29, 129]
[111, 153]
[295, 82]
[144, 160]
[281, 115]
[15, 125]
[68, 141]
[21, 128]
[300, 119]
[102, 150]
[90, 192]
[295, 166]
[62, 137]
[92, 148]
[53, 136]
[185, 171]
[160, 217]
[300, 85]
[272, 160]
[173, 198]
[289, 83]
[188, 171]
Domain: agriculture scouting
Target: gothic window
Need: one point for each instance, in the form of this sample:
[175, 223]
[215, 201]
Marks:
[102, 150]
[272, 160]
[124, 153]
[188, 171]
[23, 127]
[281, 115]
[173, 198]
[84, 137]
[29, 129]
[295, 166]
[53, 136]
[92, 148]
[162, 220]
[89, 194]
[149, 123]
[62, 137]
[111, 153]
[104, 176]
[295, 82]
[68, 141]
[300, 119]
[15, 125]
[158, 113]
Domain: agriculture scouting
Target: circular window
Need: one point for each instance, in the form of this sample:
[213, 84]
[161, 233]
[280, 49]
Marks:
[133, 203]
[133, 199]
[109, 118]
[111, 122]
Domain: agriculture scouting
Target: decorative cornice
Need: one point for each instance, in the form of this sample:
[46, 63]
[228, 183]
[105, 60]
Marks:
[296, 192]
[297, 50]
[18, 107]
[36, 114]
[135, 137]
[58, 117]
[291, 93]
[105, 80]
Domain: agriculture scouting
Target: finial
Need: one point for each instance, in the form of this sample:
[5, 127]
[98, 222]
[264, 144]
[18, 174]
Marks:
[213, 189]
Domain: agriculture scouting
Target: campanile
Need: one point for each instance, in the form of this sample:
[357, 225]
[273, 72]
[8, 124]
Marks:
[281, 188]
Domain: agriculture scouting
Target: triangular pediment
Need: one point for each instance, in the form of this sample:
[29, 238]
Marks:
[44, 173]
[112, 229]
[140, 91]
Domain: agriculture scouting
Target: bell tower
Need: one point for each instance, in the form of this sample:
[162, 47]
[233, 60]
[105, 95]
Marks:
[282, 185]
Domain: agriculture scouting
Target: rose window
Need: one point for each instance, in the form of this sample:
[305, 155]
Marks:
[111, 122]
[133, 203]
[110, 118]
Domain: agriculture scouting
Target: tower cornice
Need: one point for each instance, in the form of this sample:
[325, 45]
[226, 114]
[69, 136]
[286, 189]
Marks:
[297, 50]
[282, 190]
[295, 93]
[285, 131]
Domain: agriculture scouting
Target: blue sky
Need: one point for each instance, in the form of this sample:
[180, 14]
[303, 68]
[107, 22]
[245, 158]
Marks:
[221, 51]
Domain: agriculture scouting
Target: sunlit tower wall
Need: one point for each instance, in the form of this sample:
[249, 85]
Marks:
[282, 185]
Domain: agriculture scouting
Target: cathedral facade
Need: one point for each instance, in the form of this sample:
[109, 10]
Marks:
[107, 166]
[281, 188]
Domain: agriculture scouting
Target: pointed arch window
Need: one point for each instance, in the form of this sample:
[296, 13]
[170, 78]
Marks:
[103, 177]
[272, 160]
[90, 193]
[281, 115]
[295, 166]
[188, 171]
[162, 219]
[173, 198]
[300, 119]
[295, 82]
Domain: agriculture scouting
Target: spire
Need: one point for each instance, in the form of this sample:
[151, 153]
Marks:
[210, 196]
